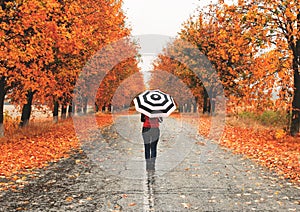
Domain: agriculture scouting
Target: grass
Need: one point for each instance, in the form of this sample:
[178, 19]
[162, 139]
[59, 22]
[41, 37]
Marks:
[266, 119]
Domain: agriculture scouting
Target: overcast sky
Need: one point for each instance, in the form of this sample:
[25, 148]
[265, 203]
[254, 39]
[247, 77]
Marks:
[163, 17]
[160, 17]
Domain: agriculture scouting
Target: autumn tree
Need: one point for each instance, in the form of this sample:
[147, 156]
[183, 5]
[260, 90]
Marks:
[112, 81]
[8, 15]
[218, 37]
[27, 49]
[237, 42]
[279, 20]
[99, 24]
[184, 60]
[46, 44]
[126, 91]
[178, 88]
[105, 71]
[219, 34]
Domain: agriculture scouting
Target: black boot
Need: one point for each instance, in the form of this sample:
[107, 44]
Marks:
[148, 164]
[152, 164]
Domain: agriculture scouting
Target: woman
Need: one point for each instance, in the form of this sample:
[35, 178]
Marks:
[150, 133]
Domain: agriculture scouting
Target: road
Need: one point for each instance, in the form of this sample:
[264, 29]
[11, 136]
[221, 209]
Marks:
[192, 174]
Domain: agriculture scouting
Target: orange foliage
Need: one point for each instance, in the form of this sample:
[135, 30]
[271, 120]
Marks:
[279, 154]
[240, 52]
[106, 71]
[127, 91]
[184, 71]
[115, 79]
[46, 44]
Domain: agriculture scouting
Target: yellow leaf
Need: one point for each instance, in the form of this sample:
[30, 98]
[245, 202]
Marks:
[69, 199]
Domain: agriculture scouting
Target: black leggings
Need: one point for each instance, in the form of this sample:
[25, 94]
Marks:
[151, 137]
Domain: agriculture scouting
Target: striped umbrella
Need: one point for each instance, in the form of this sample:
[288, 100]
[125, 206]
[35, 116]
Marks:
[154, 103]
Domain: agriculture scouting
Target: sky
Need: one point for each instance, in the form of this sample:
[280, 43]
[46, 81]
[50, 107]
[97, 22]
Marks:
[147, 18]
[163, 17]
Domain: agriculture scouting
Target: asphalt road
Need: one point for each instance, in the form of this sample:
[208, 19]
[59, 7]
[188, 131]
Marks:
[192, 174]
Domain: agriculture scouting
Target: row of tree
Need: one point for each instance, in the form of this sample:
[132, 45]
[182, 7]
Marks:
[46, 44]
[254, 51]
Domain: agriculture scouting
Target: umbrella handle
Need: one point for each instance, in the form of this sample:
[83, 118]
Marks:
[160, 119]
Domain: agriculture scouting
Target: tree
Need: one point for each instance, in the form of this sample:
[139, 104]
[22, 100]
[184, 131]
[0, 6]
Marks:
[126, 91]
[112, 81]
[219, 34]
[27, 49]
[177, 87]
[279, 22]
[46, 44]
[236, 40]
[8, 15]
[105, 71]
[184, 60]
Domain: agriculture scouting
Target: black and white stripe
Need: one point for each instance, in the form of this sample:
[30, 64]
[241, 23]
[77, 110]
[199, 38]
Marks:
[154, 103]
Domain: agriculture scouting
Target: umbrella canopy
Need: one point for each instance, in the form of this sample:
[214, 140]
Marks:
[154, 103]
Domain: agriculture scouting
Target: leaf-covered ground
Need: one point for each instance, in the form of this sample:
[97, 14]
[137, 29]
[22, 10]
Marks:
[23, 152]
[269, 148]
[272, 148]
[109, 180]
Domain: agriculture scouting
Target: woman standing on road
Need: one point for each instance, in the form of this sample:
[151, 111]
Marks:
[150, 133]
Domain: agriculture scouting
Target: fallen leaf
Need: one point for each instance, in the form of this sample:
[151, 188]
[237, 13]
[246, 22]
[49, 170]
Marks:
[45, 145]
[186, 205]
[200, 143]
[69, 199]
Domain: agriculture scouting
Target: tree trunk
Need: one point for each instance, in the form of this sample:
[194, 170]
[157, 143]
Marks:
[2, 96]
[85, 101]
[26, 110]
[213, 103]
[206, 102]
[195, 105]
[96, 108]
[63, 111]
[79, 109]
[295, 123]
[55, 112]
[188, 107]
[205, 97]
[70, 109]
[109, 107]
